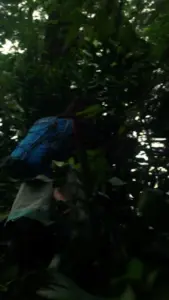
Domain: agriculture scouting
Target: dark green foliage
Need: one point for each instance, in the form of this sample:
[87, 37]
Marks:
[109, 61]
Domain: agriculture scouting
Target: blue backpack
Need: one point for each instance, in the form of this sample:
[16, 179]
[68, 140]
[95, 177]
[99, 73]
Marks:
[48, 139]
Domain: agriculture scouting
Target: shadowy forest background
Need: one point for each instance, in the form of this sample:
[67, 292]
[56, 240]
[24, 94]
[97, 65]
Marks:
[112, 58]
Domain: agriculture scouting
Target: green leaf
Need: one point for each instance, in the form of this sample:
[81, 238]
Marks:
[114, 64]
[128, 294]
[3, 288]
[152, 278]
[116, 181]
[135, 270]
[91, 111]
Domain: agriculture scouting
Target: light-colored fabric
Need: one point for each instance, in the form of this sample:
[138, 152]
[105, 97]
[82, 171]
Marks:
[33, 200]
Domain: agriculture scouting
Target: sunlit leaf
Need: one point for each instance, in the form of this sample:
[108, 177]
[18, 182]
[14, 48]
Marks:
[91, 111]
